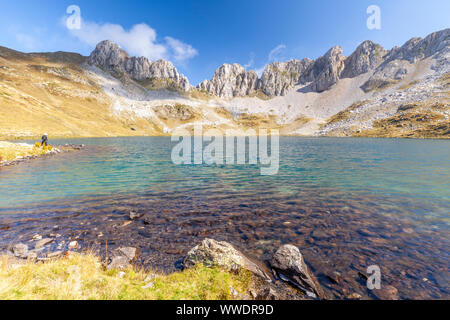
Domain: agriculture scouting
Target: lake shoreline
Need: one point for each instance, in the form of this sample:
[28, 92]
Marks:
[56, 137]
[55, 151]
[104, 235]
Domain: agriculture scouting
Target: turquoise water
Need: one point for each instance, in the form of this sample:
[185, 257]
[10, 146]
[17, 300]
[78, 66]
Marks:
[409, 170]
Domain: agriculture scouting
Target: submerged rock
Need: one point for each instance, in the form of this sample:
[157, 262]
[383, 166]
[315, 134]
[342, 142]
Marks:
[289, 264]
[42, 243]
[222, 254]
[354, 296]
[135, 215]
[386, 292]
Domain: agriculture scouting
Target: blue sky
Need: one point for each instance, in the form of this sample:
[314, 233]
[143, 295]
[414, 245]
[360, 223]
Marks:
[200, 35]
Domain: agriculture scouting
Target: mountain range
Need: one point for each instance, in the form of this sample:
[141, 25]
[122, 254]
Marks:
[401, 92]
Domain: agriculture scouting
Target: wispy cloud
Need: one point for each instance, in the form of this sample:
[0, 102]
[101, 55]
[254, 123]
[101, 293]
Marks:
[251, 62]
[276, 53]
[139, 40]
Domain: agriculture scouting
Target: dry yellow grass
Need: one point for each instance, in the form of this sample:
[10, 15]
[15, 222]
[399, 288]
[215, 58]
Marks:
[11, 151]
[346, 113]
[417, 120]
[82, 277]
[39, 93]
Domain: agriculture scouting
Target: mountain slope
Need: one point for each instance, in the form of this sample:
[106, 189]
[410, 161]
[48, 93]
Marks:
[403, 92]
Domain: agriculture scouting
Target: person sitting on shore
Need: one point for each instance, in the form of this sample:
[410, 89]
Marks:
[44, 140]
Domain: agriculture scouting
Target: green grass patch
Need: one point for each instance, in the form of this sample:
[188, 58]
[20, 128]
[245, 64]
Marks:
[82, 277]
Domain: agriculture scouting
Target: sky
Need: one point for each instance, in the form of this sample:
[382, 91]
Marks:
[200, 35]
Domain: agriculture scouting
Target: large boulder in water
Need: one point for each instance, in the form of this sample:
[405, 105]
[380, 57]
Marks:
[289, 264]
[214, 253]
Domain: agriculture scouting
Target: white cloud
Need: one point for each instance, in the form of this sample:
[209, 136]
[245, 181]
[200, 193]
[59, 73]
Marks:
[181, 51]
[140, 40]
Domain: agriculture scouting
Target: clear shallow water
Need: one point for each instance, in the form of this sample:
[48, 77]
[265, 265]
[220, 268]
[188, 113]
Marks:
[327, 191]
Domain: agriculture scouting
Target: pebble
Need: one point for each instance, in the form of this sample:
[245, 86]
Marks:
[354, 296]
[148, 285]
[73, 244]
[135, 215]
[36, 237]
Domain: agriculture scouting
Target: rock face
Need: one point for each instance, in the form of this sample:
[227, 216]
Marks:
[279, 77]
[416, 49]
[231, 81]
[399, 61]
[326, 70]
[109, 56]
[222, 254]
[367, 56]
[290, 266]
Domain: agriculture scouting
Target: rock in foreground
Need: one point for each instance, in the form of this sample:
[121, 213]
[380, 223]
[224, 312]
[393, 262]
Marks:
[222, 254]
[290, 266]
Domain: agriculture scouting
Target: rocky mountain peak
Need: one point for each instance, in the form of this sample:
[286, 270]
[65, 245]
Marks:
[108, 55]
[400, 60]
[231, 81]
[111, 57]
[368, 55]
[327, 69]
[279, 77]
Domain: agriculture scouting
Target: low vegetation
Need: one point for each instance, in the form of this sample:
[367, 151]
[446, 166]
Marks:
[83, 277]
[11, 151]
[445, 79]
[260, 95]
[413, 121]
[200, 94]
[345, 114]
[378, 85]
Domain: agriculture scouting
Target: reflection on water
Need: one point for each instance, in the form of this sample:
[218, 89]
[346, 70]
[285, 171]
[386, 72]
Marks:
[347, 203]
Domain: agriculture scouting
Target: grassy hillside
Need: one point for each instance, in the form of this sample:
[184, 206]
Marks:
[50, 93]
